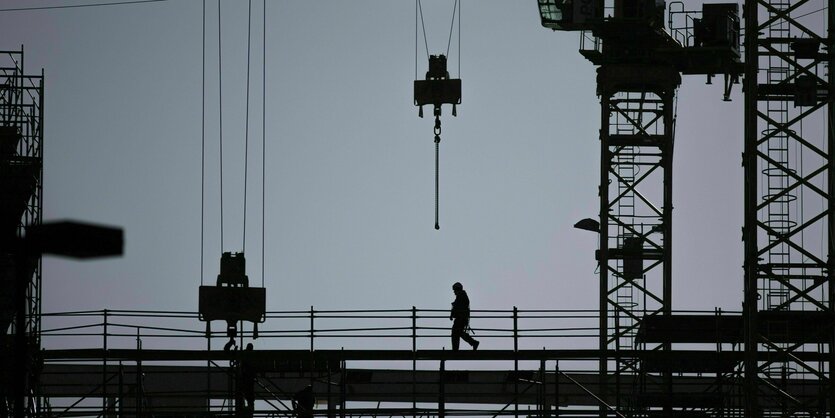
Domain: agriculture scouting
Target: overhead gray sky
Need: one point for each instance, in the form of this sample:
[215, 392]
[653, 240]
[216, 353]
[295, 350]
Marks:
[349, 165]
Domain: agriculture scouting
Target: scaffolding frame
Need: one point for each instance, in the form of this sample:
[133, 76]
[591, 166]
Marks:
[789, 187]
[357, 358]
[635, 233]
[21, 122]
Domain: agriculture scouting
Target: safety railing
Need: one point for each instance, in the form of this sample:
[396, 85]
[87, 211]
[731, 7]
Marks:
[589, 43]
[314, 329]
[402, 329]
[490, 387]
[682, 23]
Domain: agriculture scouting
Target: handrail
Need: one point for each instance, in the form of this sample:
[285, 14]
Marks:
[312, 329]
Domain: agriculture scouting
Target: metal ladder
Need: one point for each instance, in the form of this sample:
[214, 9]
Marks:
[779, 213]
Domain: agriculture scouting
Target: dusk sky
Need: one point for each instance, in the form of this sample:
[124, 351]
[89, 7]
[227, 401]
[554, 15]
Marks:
[349, 164]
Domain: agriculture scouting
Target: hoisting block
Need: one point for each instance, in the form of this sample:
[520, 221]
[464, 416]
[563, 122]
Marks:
[232, 300]
[438, 89]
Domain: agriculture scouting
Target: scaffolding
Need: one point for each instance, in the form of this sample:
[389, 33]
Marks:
[634, 356]
[378, 363]
[789, 211]
[21, 193]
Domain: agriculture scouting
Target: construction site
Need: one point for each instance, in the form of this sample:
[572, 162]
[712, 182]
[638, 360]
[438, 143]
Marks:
[250, 334]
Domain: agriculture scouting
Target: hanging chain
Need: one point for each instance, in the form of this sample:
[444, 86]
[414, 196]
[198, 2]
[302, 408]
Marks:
[437, 148]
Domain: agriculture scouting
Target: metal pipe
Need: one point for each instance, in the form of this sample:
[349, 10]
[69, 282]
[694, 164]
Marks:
[138, 390]
[603, 251]
[104, 367]
[557, 389]
[342, 387]
[311, 328]
[749, 230]
[441, 391]
[603, 403]
[830, 181]
[516, 362]
[414, 360]
[543, 403]
[208, 368]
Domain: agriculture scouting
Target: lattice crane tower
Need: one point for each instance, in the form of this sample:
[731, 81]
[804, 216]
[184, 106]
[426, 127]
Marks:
[789, 206]
[640, 64]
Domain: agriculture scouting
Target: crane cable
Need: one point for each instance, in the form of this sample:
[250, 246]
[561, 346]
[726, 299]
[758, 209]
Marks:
[75, 6]
[263, 139]
[203, 145]
[220, 136]
[246, 128]
[220, 116]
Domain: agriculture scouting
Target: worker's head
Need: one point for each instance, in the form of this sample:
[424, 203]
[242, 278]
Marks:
[457, 287]
[249, 347]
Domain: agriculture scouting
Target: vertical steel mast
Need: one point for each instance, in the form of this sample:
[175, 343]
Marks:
[640, 65]
[636, 141]
[789, 209]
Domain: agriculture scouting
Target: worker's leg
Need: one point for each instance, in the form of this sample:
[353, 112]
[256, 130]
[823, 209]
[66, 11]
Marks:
[457, 333]
[470, 340]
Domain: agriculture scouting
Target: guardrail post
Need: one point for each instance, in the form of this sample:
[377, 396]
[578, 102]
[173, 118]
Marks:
[515, 362]
[543, 403]
[557, 389]
[414, 329]
[312, 360]
[138, 390]
[342, 387]
[121, 390]
[104, 370]
[311, 330]
[414, 361]
[441, 391]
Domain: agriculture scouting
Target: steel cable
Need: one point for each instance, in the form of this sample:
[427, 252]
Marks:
[246, 128]
[220, 116]
[203, 146]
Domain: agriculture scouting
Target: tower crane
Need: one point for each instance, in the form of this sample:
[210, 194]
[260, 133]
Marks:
[642, 48]
[640, 65]
[788, 307]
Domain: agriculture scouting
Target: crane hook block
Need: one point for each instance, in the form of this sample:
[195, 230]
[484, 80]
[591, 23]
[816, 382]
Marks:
[438, 89]
[232, 299]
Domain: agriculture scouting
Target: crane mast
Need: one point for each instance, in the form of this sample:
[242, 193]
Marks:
[789, 208]
[639, 71]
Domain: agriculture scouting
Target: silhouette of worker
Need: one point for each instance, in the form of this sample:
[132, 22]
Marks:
[247, 382]
[303, 402]
[460, 315]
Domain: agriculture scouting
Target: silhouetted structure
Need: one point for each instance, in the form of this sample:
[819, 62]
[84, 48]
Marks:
[788, 281]
[232, 299]
[789, 306]
[437, 90]
[460, 315]
[773, 359]
[21, 205]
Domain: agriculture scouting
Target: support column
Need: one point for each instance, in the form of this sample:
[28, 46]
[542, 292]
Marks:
[637, 131]
[789, 192]
[749, 230]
